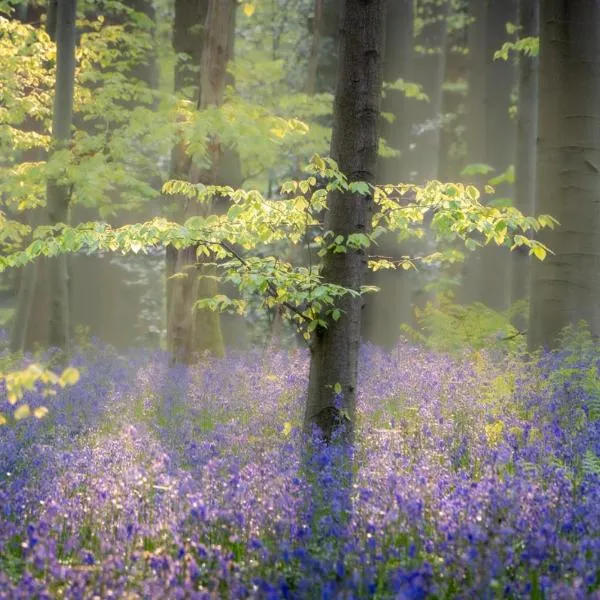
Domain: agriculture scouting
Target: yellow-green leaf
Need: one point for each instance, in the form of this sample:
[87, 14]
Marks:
[22, 412]
[249, 9]
[40, 412]
[70, 376]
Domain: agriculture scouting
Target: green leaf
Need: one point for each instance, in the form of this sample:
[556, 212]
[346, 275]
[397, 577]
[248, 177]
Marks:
[70, 376]
[337, 388]
[22, 412]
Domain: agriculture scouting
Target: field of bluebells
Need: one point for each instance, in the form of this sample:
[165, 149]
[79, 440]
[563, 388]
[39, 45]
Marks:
[469, 481]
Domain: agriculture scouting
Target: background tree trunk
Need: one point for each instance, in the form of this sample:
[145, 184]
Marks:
[30, 319]
[566, 287]
[491, 139]
[500, 144]
[525, 168]
[429, 71]
[310, 86]
[392, 306]
[188, 30]
[334, 351]
[58, 194]
[200, 330]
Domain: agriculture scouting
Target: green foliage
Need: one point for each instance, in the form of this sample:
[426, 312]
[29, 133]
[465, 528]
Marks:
[449, 327]
[528, 46]
[239, 241]
[408, 88]
[18, 382]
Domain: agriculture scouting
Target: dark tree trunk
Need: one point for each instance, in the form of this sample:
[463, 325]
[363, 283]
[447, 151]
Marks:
[566, 287]
[58, 194]
[334, 351]
[526, 148]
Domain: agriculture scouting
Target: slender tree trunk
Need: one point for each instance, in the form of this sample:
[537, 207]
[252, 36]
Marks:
[188, 29]
[58, 194]
[200, 330]
[451, 157]
[28, 291]
[313, 59]
[491, 138]
[392, 306]
[500, 144]
[354, 143]
[566, 286]
[526, 148]
[429, 72]
[328, 46]
[476, 127]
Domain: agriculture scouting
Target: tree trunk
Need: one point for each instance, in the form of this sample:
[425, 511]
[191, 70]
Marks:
[30, 309]
[500, 143]
[429, 72]
[195, 330]
[491, 139]
[566, 286]
[310, 86]
[392, 306]
[526, 147]
[453, 109]
[188, 29]
[58, 194]
[354, 143]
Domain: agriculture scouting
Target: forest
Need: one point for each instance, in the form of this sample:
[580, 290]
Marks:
[300, 299]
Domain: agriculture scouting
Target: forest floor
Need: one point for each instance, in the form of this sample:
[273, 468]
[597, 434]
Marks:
[474, 476]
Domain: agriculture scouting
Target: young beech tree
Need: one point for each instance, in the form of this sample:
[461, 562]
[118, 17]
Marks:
[354, 144]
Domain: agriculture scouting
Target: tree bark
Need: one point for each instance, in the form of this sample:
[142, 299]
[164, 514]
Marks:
[58, 194]
[525, 168]
[392, 306]
[193, 330]
[500, 144]
[310, 86]
[430, 64]
[491, 138]
[566, 286]
[354, 143]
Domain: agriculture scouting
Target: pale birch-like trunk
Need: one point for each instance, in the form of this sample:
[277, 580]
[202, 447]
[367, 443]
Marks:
[334, 350]
[566, 287]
